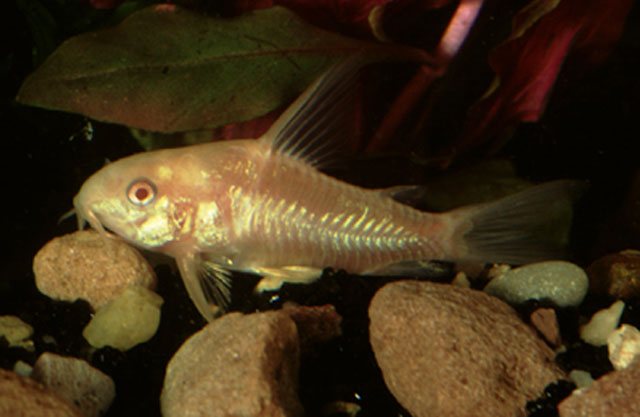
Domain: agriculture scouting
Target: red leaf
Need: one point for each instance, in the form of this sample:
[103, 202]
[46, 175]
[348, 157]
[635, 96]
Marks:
[251, 129]
[528, 63]
[345, 16]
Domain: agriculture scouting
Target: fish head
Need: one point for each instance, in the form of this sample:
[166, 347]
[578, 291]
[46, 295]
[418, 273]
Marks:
[126, 198]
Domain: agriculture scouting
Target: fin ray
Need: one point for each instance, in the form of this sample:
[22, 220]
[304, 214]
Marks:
[308, 129]
[511, 230]
[207, 284]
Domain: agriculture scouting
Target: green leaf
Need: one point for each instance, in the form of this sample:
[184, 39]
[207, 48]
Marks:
[168, 69]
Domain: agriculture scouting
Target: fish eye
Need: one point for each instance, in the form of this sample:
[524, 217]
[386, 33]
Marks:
[141, 192]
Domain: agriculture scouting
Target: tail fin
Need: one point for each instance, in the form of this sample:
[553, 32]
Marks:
[525, 227]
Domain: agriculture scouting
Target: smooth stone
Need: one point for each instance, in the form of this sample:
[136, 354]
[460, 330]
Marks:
[457, 352]
[128, 320]
[86, 265]
[563, 283]
[75, 381]
[602, 323]
[238, 365]
[22, 368]
[624, 346]
[581, 378]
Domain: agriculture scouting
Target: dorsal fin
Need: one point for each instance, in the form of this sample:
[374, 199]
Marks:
[309, 128]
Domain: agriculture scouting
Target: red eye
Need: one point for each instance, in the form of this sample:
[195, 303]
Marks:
[141, 192]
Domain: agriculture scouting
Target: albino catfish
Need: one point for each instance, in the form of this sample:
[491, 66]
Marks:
[261, 206]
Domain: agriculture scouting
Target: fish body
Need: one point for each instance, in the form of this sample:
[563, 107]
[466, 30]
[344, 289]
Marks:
[261, 206]
[245, 208]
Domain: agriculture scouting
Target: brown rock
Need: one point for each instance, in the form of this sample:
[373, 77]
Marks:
[450, 351]
[545, 320]
[24, 397]
[617, 275]
[238, 365]
[614, 394]
[86, 265]
[75, 381]
[315, 324]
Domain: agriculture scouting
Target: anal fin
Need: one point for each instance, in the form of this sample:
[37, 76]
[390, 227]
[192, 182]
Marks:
[274, 278]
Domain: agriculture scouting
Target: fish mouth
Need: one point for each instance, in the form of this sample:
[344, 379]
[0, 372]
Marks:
[86, 215]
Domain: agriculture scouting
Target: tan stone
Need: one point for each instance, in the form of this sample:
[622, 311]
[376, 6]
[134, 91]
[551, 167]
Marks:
[457, 352]
[614, 394]
[88, 266]
[23, 397]
[75, 381]
[238, 365]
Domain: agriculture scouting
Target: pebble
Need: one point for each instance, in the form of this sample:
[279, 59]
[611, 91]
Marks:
[22, 368]
[563, 283]
[24, 397]
[461, 280]
[624, 346]
[581, 378]
[451, 351]
[17, 332]
[238, 365]
[602, 323]
[75, 381]
[86, 265]
[614, 394]
[128, 320]
[546, 322]
[617, 275]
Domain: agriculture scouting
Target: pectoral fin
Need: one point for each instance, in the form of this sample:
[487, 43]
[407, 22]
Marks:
[273, 278]
[207, 284]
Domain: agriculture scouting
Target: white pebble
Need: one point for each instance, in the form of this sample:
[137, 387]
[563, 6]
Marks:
[22, 368]
[128, 320]
[624, 346]
[563, 283]
[581, 378]
[602, 324]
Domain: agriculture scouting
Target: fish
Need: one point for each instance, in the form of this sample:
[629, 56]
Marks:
[263, 206]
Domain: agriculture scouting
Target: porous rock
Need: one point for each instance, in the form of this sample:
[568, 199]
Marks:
[86, 265]
[238, 365]
[457, 352]
[16, 331]
[75, 381]
[617, 275]
[126, 321]
[563, 283]
[24, 397]
[614, 394]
